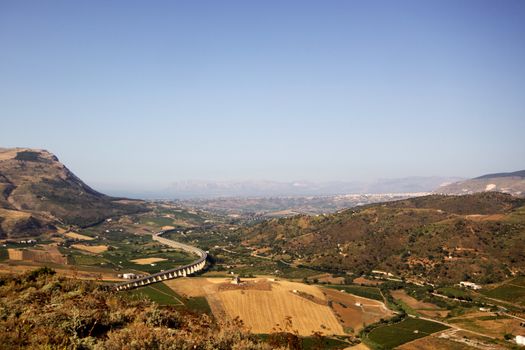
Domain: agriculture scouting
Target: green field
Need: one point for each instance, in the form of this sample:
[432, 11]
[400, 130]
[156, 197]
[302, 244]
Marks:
[390, 336]
[157, 292]
[164, 295]
[512, 291]
[361, 291]
[455, 292]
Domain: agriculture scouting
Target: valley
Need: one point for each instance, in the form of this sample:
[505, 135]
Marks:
[374, 276]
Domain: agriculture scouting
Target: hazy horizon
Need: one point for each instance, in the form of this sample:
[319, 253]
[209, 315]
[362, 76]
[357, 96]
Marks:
[137, 96]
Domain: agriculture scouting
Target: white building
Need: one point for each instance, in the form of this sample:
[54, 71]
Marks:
[520, 340]
[129, 276]
[470, 285]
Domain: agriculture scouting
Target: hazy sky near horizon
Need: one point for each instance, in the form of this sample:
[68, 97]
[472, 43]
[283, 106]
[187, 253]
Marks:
[144, 93]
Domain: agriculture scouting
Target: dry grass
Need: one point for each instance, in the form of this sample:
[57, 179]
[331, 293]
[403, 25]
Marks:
[352, 316]
[97, 249]
[147, 261]
[494, 327]
[78, 236]
[434, 343]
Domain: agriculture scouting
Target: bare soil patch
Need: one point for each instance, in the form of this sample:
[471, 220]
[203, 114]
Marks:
[355, 312]
[147, 261]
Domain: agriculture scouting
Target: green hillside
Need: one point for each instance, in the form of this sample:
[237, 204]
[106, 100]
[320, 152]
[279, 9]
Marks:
[439, 238]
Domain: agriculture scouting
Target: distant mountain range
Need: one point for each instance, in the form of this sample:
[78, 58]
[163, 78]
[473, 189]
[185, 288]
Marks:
[512, 183]
[37, 192]
[214, 189]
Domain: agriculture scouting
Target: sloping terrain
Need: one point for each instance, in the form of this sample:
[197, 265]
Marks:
[36, 191]
[513, 183]
[436, 238]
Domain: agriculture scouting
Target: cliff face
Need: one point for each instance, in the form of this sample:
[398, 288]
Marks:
[37, 191]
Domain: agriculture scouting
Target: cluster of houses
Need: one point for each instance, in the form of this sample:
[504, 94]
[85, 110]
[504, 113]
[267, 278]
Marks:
[28, 241]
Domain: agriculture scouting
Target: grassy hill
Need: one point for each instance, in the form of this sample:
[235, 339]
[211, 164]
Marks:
[436, 238]
[36, 191]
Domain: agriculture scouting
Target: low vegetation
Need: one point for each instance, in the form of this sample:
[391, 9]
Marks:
[39, 310]
[437, 239]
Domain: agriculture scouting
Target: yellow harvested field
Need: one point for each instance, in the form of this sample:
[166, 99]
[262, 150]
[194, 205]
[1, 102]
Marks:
[91, 248]
[147, 261]
[78, 236]
[168, 227]
[263, 311]
[263, 304]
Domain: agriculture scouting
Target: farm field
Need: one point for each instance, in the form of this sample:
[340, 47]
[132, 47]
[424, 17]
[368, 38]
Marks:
[78, 236]
[488, 323]
[96, 249]
[434, 343]
[353, 317]
[158, 292]
[44, 254]
[164, 295]
[362, 291]
[262, 311]
[391, 336]
[263, 305]
[512, 291]
[416, 307]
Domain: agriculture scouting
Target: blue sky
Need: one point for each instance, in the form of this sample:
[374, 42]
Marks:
[143, 93]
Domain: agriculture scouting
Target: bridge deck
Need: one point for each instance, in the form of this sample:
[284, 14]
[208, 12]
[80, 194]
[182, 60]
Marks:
[179, 271]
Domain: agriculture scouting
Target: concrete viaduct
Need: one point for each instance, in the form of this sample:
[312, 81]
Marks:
[181, 271]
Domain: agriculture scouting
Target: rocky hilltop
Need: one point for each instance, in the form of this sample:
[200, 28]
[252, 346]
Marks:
[37, 192]
[513, 183]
